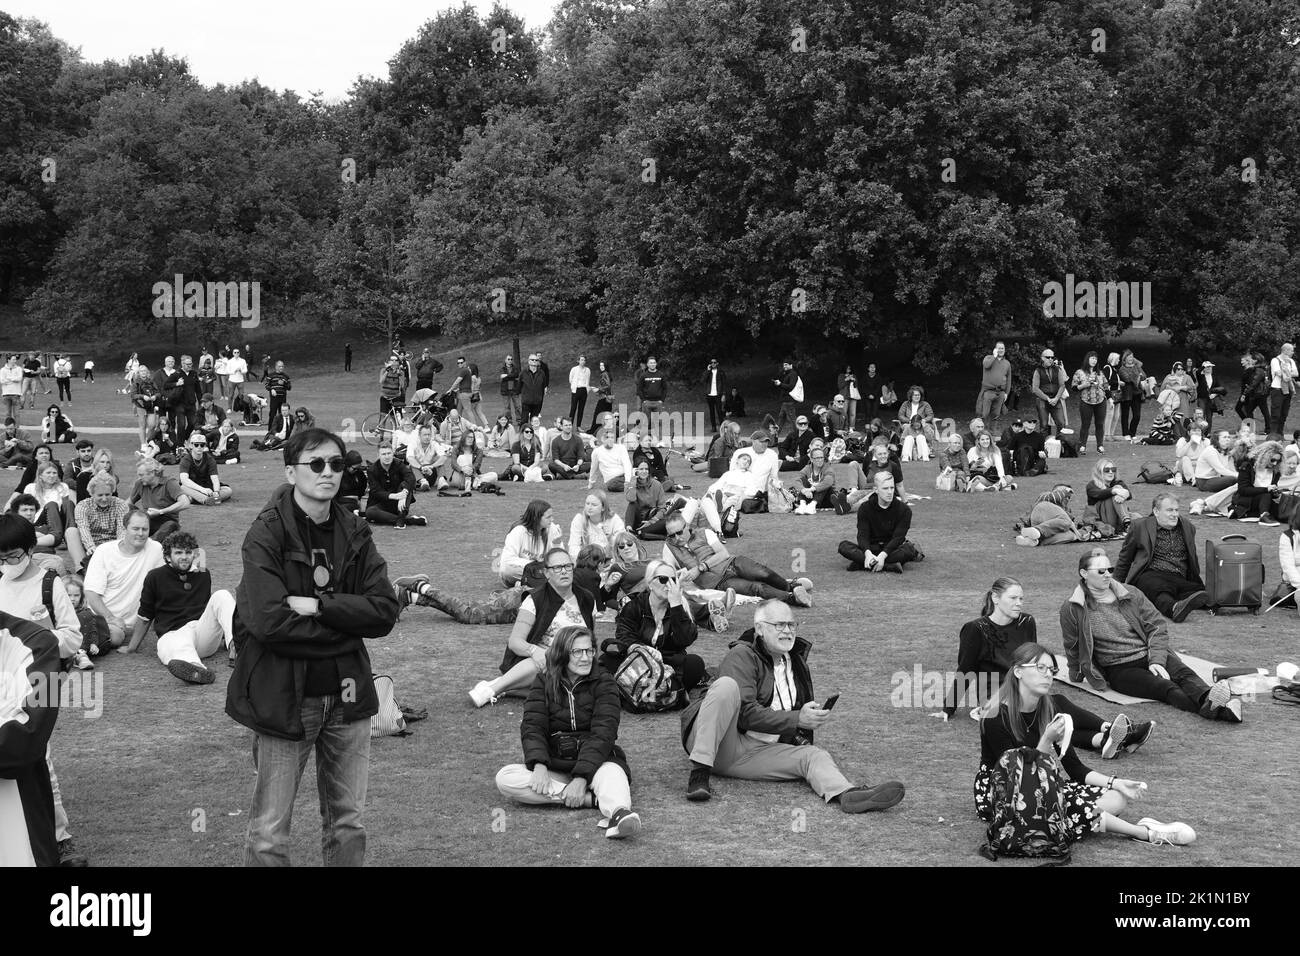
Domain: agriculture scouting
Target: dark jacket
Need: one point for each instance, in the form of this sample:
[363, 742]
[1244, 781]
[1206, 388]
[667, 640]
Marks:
[590, 710]
[1140, 545]
[425, 370]
[752, 668]
[532, 386]
[547, 603]
[795, 445]
[388, 481]
[23, 745]
[636, 625]
[273, 643]
[788, 381]
[723, 386]
[509, 380]
[1254, 383]
[1076, 631]
[191, 389]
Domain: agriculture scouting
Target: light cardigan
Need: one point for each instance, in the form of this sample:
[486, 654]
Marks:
[995, 453]
[1211, 464]
[582, 533]
[521, 547]
[56, 495]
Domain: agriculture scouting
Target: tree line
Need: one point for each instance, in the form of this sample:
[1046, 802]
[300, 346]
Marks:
[793, 177]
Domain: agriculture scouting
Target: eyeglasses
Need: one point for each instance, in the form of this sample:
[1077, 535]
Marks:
[1049, 355]
[1047, 670]
[559, 567]
[786, 627]
[317, 465]
[582, 652]
[1103, 570]
[12, 559]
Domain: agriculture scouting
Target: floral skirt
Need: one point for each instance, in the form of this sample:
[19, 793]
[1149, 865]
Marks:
[1081, 813]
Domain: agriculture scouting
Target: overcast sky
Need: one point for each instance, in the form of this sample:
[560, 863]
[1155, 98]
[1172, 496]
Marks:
[287, 44]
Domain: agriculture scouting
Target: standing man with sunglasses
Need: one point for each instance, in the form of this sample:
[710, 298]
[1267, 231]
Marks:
[314, 588]
[1048, 386]
[757, 720]
[197, 473]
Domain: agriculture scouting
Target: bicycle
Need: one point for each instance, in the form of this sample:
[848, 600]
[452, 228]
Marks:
[380, 426]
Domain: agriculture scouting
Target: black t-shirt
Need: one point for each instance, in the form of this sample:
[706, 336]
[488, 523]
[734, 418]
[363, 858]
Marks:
[171, 599]
[322, 675]
[31, 368]
[986, 648]
[996, 739]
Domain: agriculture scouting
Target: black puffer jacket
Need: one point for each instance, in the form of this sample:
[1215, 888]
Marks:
[588, 710]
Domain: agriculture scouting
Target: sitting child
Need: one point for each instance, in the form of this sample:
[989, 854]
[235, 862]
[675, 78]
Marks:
[94, 629]
[915, 446]
[952, 466]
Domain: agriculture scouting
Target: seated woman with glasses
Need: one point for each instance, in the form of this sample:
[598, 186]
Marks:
[524, 454]
[1024, 715]
[1108, 497]
[1258, 474]
[542, 614]
[984, 657]
[569, 733]
[662, 618]
[1115, 637]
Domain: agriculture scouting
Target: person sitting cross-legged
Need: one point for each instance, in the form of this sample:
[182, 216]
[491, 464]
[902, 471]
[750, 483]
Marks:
[883, 523]
[116, 573]
[100, 517]
[198, 475]
[1158, 558]
[191, 620]
[758, 718]
[392, 491]
[569, 456]
[1028, 450]
[569, 733]
[659, 617]
[161, 497]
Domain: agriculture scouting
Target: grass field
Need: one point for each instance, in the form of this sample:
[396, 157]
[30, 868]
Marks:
[163, 777]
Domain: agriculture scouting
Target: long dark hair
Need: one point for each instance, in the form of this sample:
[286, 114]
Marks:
[557, 657]
[1009, 698]
[531, 519]
[1090, 368]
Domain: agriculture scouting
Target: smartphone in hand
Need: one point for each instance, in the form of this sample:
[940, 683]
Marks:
[830, 701]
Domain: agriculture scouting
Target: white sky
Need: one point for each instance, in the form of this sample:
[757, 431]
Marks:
[302, 45]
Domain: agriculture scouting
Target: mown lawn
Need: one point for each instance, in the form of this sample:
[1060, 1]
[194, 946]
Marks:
[163, 777]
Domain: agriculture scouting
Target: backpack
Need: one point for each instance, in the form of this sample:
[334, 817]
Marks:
[1028, 807]
[646, 684]
[731, 523]
[1154, 473]
[388, 721]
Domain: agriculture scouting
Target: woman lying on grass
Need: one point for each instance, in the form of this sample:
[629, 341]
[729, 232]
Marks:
[1024, 715]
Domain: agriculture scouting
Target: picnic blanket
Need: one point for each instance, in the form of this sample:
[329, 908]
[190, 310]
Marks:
[1203, 669]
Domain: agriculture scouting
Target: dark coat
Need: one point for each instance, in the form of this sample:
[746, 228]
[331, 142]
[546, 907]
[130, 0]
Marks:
[636, 625]
[23, 745]
[273, 643]
[1140, 547]
[532, 386]
[590, 709]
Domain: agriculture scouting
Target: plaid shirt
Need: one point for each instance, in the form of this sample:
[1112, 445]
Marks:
[97, 525]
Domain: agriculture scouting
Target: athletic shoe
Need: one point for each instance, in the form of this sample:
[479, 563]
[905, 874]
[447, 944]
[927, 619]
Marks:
[1217, 699]
[191, 673]
[718, 617]
[920, 555]
[418, 520]
[623, 824]
[1138, 735]
[841, 501]
[1230, 712]
[865, 799]
[401, 524]
[1116, 734]
[1025, 541]
[68, 855]
[1180, 610]
[697, 788]
[729, 600]
[805, 583]
[482, 694]
[1011, 486]
[1174, 834]
[413, 583]
[1101, 450]
[1266, 521]
[81, 661]
[801, 597]
[1249, 520]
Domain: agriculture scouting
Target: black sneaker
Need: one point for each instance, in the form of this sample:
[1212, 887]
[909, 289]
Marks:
[841, 501]
[401, 524]
[1116, 735]
[893, 567]
[623, 823]
[418, 520]
[68, 855]
[1138, 735]
[1180, 610]
[697, 788]
[191, 673]
[864, 799]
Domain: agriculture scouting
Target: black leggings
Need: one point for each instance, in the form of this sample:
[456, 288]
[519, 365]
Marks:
[1130, 413]
[1092, 415]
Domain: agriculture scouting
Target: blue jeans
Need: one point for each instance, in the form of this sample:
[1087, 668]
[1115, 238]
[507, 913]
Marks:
[342, 772]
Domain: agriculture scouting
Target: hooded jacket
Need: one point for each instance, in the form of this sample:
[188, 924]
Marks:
[273, 643]
[589, 709]
[751, 667]
[1076, 631]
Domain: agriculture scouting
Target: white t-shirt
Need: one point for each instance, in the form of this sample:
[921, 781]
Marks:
[1276, 368]
[764, 466]
[119, 577]
[90, 365]
[569, 615]
[579, 377]
[23, 599]
[238, 369]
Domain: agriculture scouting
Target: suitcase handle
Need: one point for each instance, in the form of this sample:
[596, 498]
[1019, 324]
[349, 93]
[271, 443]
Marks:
[1234, 537]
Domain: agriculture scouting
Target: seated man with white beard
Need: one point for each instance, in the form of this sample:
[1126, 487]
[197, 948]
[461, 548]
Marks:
[191, 621]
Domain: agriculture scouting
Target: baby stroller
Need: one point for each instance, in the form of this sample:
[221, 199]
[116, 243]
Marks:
[429, 408]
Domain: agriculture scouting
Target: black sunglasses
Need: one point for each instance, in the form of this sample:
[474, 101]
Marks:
[317, 465]
[663, 579]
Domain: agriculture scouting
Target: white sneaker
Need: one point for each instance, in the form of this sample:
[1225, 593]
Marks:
[82, 662]
[1175, 834]
[482, 694]
[1196, 507]
[622, 824]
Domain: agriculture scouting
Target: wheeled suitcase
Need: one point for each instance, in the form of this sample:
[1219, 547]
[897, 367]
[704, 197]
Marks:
[1234, 573]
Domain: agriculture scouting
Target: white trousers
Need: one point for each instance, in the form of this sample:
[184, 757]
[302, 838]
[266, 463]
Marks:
[198, 639]
[916, 448]
[609, 784]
